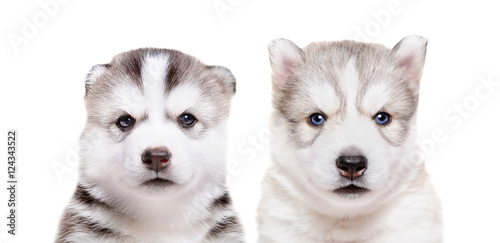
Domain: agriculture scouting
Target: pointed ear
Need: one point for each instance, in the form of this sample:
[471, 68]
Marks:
[410, 52]
[92, 76]
[284, 56]
[227, 78]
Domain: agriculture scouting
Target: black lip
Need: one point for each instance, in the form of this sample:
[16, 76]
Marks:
[158, 182]
[351, 189]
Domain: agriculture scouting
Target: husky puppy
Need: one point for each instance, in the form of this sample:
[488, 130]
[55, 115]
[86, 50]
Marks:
[345, 167]
[153, 153]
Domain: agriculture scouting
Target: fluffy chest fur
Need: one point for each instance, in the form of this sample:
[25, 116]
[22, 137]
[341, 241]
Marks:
[285, 215]
[89, 218]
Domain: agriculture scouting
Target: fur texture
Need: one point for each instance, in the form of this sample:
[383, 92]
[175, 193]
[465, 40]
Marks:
[306, 195]
[119, 198]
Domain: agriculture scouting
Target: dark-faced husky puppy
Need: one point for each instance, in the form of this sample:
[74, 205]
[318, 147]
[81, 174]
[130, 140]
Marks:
[152, 154]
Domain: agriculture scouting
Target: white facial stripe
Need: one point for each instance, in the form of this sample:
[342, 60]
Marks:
[349, 82]
[375, 98]
[181, 98]
[153, 75]
[352, 130]
[321, 96]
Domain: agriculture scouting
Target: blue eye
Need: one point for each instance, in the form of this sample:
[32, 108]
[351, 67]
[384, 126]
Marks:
[125, 122]
[317, 119]
[382, 118]
[187, 120]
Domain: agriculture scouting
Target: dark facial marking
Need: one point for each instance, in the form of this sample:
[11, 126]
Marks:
[178, 63]
[131, 65]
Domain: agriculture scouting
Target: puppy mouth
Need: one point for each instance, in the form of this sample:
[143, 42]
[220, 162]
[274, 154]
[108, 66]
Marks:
[158, 182]
[350, 190]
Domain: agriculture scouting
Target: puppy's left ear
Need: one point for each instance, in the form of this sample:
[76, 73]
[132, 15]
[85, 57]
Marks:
[410, 52]
[226, 77]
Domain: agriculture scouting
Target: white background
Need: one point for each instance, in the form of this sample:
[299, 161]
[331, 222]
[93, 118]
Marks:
[41, 93]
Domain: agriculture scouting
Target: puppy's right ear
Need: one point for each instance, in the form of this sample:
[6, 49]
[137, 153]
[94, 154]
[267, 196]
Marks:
[94, 73]
[284, 56]
[226, 77]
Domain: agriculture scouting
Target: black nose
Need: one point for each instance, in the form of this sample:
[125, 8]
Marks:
[351, 167]
[156, 158]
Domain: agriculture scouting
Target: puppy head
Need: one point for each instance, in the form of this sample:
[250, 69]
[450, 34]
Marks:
[155, 123]
[344, 113]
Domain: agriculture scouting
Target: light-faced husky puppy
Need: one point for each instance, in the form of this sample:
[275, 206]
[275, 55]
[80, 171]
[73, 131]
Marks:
[343, 149]
[153, 153]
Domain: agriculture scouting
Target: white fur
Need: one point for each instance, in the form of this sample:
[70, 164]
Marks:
[375, 97]
[350, 83]
[317, 92]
